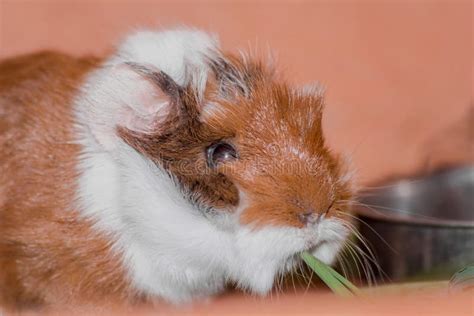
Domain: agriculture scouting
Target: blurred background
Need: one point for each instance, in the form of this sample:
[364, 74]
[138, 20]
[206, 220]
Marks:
[398, 76]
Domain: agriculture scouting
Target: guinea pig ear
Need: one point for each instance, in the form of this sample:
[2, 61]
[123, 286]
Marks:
[153, 97]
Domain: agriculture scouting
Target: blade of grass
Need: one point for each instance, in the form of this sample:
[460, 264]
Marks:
[326, 275]
[463, 279]
[344, 281]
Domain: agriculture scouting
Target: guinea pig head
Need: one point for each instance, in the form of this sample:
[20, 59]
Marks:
[279, 161]
[248, 152]
[249, 144]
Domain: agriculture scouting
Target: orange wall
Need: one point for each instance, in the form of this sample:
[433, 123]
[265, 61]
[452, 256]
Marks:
[398, 73]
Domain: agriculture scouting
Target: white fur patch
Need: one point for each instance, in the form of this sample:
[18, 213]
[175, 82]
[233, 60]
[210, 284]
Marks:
[171, 250]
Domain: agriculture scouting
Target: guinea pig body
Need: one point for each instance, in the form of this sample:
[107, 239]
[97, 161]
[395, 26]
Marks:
[165, 170]
[48, 252]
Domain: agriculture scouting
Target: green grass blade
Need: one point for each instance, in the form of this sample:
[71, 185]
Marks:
[344, 281]
[326, 275]
[463, 279]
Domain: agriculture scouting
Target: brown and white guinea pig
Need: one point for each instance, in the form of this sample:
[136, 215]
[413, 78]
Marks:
[165, 171]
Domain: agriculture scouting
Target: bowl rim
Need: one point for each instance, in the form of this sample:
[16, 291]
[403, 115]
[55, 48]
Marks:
[382, 215]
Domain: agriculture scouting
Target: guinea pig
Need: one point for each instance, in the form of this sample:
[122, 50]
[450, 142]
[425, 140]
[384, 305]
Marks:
[163, 171]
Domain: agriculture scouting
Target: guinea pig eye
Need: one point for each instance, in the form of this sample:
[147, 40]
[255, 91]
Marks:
[219, 153]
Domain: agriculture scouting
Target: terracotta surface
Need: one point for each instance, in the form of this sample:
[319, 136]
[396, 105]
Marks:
[409, 303]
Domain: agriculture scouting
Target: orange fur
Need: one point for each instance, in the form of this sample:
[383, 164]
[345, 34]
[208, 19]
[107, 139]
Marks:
[47, 252]
[284, 167]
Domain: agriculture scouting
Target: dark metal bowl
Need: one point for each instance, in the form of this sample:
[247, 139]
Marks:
[428, 223]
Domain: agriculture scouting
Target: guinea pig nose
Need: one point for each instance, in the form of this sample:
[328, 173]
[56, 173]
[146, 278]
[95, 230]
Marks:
[309, 217]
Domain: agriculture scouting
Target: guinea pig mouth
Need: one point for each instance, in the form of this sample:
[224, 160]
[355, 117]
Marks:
[295, 260]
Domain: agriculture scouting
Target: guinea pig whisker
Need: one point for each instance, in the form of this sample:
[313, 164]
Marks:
[360, 238]
[283, 283]
[358, 261]
[344, 264]
[370, 260]
[345, 260]
[369, 188]
[304, 276]
[356, 258]
[366, 259]
[310, 282]
[278, 288]
[293, 281]
[373, 207]
[368, 226]
[366, 268]
[369, 267]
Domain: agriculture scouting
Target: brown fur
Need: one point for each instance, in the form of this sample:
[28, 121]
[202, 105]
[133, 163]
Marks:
[284, 167]
[48, 254]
